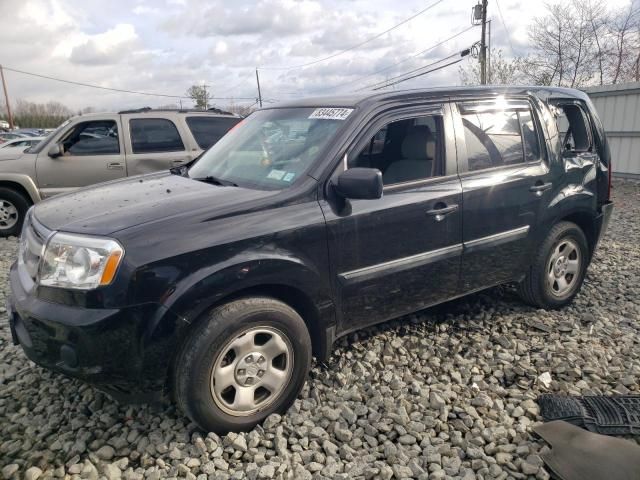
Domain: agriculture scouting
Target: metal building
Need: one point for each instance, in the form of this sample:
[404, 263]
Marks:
[618, 107]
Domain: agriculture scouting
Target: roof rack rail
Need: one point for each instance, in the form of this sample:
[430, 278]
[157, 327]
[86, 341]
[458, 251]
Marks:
[136, 110]
[179, 110]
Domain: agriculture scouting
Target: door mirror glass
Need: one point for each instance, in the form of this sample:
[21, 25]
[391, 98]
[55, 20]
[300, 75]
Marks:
[359, 184]
[55, 150]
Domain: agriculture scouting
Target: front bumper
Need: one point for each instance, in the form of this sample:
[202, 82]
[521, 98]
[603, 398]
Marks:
[125, 352]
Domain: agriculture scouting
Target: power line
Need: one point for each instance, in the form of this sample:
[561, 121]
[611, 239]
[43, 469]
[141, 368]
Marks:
[513, 52]
[422, 52]
[372, 86]
[116, 89]
[291, 67]
[420, 74]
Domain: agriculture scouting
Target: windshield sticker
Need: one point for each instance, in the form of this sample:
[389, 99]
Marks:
[276, 174]
[331, 113]
[288, 177]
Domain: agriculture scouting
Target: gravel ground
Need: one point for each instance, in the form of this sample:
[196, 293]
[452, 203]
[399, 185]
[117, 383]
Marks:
[447, 393]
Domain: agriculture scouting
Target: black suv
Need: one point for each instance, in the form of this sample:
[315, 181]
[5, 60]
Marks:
[217, 281]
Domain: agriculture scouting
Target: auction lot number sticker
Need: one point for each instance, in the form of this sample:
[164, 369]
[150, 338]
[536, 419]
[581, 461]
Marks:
[331, 113]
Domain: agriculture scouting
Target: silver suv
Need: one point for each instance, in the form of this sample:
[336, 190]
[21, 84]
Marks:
[100, 147]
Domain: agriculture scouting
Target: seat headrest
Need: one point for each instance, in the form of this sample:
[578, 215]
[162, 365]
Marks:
[419, 143]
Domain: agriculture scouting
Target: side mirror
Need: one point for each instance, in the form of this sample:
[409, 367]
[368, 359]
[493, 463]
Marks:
[359, 184]
[55, 150]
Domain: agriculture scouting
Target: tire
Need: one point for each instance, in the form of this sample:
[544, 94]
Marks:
[543, 285]
[230, 373]
[13, 207]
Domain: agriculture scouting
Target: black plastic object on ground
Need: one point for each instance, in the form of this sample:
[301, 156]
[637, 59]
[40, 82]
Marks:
[579, 455]
[608, 415]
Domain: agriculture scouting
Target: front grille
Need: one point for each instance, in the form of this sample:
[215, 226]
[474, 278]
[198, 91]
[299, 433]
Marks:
[32, 240]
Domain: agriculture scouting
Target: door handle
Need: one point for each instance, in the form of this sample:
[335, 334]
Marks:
[115, 166]
[538, 188]
[441, 212]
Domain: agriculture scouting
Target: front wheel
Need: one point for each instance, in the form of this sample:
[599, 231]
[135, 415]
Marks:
[559, 268]
[13, 207]
[245, 360]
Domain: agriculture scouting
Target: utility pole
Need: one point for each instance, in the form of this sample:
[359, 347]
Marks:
[259, 92]
[6, 98]
[489, 78]
[483, 45]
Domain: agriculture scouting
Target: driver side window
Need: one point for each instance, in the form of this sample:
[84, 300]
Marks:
[405, 150]
[98, 137]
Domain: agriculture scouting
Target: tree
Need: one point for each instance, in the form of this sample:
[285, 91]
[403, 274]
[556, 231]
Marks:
[40, 115]
[584, 43]
[501, 70]
[200, 95]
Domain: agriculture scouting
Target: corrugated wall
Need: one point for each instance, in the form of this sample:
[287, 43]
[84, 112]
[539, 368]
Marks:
[618, 107]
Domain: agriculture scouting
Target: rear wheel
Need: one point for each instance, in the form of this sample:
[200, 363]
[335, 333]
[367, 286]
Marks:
[246, 360]
[13, 207]
[559, 268]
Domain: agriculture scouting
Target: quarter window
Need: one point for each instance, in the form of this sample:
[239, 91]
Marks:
[208, 130]
[500, 138]
[99, 137]
[154, 135]
[573, 128]
[405, 150]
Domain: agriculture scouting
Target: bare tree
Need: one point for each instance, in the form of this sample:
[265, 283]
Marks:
[583, 42]
[40, 115]
[502, 71]
[624, 52]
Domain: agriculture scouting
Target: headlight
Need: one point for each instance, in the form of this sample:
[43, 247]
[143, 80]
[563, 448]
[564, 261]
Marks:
[76, 261]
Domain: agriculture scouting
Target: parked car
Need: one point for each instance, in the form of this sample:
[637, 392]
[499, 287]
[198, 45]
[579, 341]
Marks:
[100, 147]
[4, 136]
[24, 142]
[217, 282]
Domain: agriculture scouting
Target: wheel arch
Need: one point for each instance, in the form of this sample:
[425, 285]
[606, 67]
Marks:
[586, 220]
[25, 187]
[288, 280]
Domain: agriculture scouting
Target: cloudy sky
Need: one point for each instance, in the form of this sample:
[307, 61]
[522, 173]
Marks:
[164, 46]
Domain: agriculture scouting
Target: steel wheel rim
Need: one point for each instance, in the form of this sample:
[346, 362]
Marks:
[8, 215]
[563, 268]
[251, 371]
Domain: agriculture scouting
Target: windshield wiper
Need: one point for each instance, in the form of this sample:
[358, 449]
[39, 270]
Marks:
[216, 181]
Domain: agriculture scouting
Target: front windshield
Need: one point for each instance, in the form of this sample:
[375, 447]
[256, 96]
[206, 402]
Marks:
[270, 149]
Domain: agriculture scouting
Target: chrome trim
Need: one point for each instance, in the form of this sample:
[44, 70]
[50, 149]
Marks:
[498, 238]
[400, 264]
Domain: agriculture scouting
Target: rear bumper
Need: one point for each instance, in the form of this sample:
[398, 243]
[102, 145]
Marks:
[602, 221]
[123, 352]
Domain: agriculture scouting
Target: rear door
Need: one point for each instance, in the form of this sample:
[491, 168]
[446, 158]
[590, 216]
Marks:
[154, 143]
[93, 153]
[399, 253]
[506, 182]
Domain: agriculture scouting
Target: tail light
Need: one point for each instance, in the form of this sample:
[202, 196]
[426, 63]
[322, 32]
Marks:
[609, 185]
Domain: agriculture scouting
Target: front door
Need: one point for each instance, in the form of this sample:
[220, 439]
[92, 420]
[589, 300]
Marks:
[505, 183]
[400, 253]
[92, 153]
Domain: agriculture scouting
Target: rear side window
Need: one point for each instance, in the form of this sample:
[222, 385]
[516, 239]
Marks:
[500, 138]
[208, 130]
[153, 135]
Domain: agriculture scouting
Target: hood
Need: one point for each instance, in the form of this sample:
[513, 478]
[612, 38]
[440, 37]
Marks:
[109, 207]
[12, 153]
